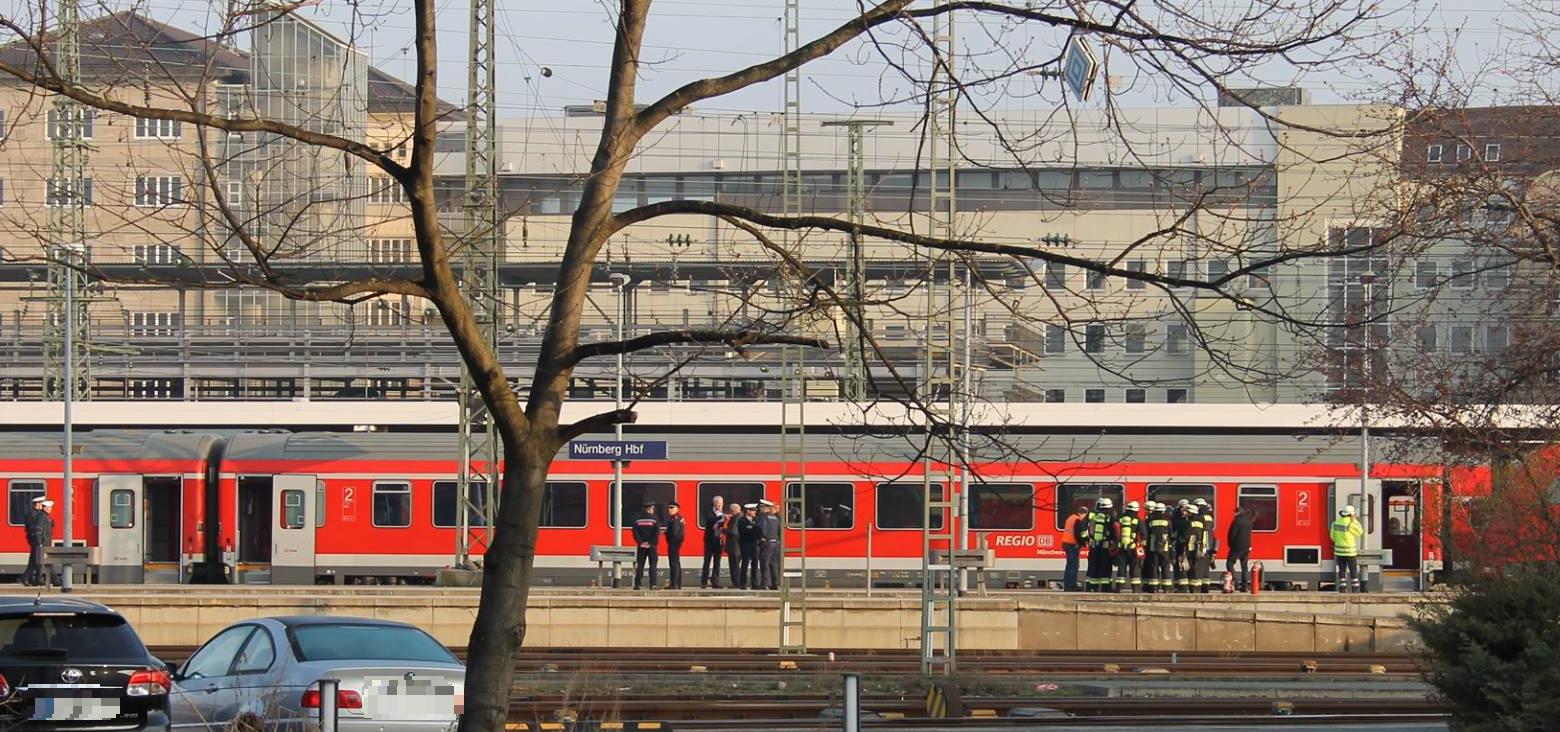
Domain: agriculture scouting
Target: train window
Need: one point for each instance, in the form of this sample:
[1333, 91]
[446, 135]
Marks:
[1173, 493]
[1002, 506]
[743, 493]
[392, 505]
[319, 503]
[292, 509]
[1402, 516]
[1072, 496]
[563, 506]
[121, 509]
[829, 506]
[637, 494]
[444, 515]
[903, 505]
[1261, 501]
[19, 500]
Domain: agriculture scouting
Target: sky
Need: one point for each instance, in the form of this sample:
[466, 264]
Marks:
[553, 54]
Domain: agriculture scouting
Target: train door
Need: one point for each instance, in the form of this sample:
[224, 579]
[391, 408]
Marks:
[1401, 523]
[121, 544]
[162, 522]
[292, 549]
[254, 528]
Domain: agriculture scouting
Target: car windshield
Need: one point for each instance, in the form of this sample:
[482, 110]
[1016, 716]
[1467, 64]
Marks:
[340, 642]
[76, 636]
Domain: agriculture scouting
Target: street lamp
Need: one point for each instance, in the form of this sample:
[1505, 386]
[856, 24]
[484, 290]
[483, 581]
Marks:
[620, 283]
[67, 254]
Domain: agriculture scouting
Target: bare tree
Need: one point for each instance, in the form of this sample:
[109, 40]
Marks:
[1227, 313]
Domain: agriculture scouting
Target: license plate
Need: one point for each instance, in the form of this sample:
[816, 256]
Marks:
[62, 709]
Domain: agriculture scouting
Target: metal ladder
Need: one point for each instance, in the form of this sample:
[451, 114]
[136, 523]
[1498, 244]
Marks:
[793, 379]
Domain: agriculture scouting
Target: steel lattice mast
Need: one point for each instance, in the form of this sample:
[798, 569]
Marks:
[793, 376]
[480, 445]
[67, 375]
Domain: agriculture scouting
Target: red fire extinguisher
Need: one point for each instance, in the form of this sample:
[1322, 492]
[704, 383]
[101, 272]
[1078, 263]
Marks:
[1229, 582]
[1256, 578]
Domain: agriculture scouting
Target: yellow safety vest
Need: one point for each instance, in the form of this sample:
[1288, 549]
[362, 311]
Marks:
[1346, 533]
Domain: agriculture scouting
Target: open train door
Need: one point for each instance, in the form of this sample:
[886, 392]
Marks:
[121, 544]
[292, 547]
[1370, 511]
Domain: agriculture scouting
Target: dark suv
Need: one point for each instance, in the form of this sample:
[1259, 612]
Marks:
[68, 664]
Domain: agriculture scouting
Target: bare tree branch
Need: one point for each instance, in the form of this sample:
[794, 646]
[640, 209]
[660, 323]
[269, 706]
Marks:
[737, 339]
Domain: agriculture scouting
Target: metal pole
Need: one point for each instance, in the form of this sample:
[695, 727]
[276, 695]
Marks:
[620, 282]
[852, 703]
[328, 691]
[70, 448]
[1365, 279]
[871, 529]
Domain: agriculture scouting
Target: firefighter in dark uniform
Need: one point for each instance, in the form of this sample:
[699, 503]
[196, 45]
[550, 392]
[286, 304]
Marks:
[676, 529]
[1196, 557]
[647, 535]
[1128, 534]
[1159, 545]
[747, 535]
[769, 546]
[714, 544]
[1099, 538]
[733, 544]
[1210, 545]
[39, 526]
[1181, 536]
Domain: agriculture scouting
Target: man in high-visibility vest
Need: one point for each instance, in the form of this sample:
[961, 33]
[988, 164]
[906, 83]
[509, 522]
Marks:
[1129, 532]
[1346, 535]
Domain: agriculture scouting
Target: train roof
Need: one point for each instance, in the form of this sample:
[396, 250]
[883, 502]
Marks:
[111, 445]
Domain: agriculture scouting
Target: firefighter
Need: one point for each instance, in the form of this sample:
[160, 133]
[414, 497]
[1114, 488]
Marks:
[676, 529]
[1099, 538]
[1128, 533]
[1195, 562]
[1346, 534]
[1160, 543]
[647, 534]
[1181, 536]
[1210, 546]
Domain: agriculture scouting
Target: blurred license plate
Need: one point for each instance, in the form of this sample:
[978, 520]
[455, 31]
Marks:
[410, 699]
[74, 708]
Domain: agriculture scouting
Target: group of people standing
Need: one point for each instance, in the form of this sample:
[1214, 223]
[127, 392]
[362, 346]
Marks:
[1168, 549]
[749, 537]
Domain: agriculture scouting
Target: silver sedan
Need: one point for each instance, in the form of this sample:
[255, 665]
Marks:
[265, 674]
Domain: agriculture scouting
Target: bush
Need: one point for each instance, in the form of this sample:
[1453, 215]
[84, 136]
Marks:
[1494, 651]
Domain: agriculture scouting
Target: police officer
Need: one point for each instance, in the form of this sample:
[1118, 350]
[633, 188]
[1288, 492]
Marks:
[1181, 536]
[1160, 544]
[769, 546]
[1128, 534]
[1099, 538]
[714, 544]
[747, 535]
[647, 534]
[675, 527]
[39, 526]
[1195, 560]
[733, 540]
[1210, 545]
[1346, 533]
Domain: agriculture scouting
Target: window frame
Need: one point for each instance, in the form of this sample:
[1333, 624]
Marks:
[976, 485]
[150, 193]
[174, 129]
[1090, 394]
[1177, 337]
[1142, 396]
[633, 511]
[851, 491]
[703, 499]
[260, 632]
[1094, 335]
[919, 486]
[433, 501]
[1434, 154]
[373, 503]
[1064, 506]
[1212, 496]
[548, 500]
[1278, 507]
[1186, 395]
[1423, 267]
[1491, 152]
[303, 510]
[112, 522]
[1138, 266]
[10, 491]
[1058, 332]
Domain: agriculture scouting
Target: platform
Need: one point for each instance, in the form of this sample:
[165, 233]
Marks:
[1289, 622]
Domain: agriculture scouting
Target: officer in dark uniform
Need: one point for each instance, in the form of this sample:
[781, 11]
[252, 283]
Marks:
[676, 529]
[1128, 534]
[39, 526]
[714, 544]
[769, 546]
[1160, 542]
[747, 535]
[733, 541]
[1181, 532]
[647, 535]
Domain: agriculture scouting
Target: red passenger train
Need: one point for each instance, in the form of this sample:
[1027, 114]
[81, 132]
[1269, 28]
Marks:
[277, 507]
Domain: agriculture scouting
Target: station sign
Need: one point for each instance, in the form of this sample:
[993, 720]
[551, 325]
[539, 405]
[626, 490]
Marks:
[617, 450]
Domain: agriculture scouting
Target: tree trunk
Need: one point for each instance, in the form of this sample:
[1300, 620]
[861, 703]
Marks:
[506, 583]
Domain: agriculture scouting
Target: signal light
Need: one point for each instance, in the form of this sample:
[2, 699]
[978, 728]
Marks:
[149, 682]
[345, 699]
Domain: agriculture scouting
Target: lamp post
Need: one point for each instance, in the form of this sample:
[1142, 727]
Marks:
[69, 373]
[620, 284]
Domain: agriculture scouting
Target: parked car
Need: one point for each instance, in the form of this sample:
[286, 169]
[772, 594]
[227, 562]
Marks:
[70, 664]
[265, 673]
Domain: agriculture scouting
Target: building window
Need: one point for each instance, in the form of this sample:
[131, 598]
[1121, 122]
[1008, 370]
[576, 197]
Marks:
[61, 193]
[1139, 266]
[84, 119]
[154, 324]
[1096, 280]
[1462, 339]
[1056, 396]
[1261, 503]
[1094, 396]
[1175, 269]
[1094, 338]
[158, 190]
[385, 190]
[1433, 154]
[1492, 152]
[2, 188]
[1136, 338]
[389, 251]
[1218, 269]
[235, 193]
[1426, 274]
[1137, 396]
[152, 388]
[1497, 338]
[1055, 339]
[19, 500]
[1260, 279]
[1055, 275]
[1463, 277]
[1497, 277]
[1175, 338]
[155, 254]
[158, 129]
[392, 505]
[1463, 153]
[1175, 396]
[1002, 507]
[384, 313]
[1429, 338]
